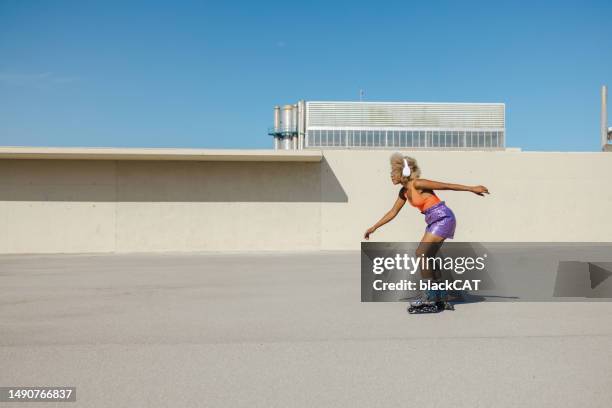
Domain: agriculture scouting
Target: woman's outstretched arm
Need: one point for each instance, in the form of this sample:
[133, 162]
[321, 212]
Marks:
[399, 203]
[423, 184]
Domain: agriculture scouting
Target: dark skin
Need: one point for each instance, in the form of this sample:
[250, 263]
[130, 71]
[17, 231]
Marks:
[430, 243]
[426, 188]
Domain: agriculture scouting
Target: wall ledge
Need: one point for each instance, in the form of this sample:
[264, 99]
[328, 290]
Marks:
[113, 153]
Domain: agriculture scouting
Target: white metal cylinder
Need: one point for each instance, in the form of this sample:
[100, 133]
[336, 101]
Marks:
[277, 119]
[286, 143]
[287, 118]
[301, 128]
[294, 118]
[604, 116]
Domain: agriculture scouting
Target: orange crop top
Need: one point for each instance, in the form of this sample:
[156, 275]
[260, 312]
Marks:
[419, 200]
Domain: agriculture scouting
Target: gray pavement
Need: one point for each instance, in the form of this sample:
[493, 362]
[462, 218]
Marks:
[281, 330]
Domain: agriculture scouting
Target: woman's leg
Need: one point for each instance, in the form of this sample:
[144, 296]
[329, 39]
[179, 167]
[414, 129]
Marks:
[429, 246]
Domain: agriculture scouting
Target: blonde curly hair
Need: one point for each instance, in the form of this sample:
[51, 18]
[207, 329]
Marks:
[397, 164]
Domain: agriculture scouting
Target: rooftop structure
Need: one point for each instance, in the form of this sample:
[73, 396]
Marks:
[606, 131]
[379, 125]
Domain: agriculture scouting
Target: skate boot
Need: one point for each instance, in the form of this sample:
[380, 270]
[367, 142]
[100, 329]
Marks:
[425, 303]
[442, 300]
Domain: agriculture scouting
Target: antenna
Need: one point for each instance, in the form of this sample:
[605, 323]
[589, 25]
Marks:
[361, 94]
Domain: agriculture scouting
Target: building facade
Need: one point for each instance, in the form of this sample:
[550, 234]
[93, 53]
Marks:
[379, 125]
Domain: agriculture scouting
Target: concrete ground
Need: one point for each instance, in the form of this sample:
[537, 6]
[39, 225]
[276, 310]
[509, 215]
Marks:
[282, 330]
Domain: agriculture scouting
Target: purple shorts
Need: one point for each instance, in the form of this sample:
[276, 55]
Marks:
[440, 220]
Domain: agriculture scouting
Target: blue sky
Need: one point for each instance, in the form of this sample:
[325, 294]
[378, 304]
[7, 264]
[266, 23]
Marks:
[207, 74]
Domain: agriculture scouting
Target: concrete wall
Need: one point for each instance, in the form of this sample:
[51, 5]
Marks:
[535, 196]
[132, 206]
[127, 206]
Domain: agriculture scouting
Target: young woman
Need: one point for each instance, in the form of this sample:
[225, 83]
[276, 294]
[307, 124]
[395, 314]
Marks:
[439, 218]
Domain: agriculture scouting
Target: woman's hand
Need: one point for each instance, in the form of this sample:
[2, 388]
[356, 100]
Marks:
[480, 190]
[369, 232]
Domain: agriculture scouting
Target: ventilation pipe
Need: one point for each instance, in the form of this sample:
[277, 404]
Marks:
[289, 126]
[301, 124]
[277, 127]
[604, 117]
[294, 127]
